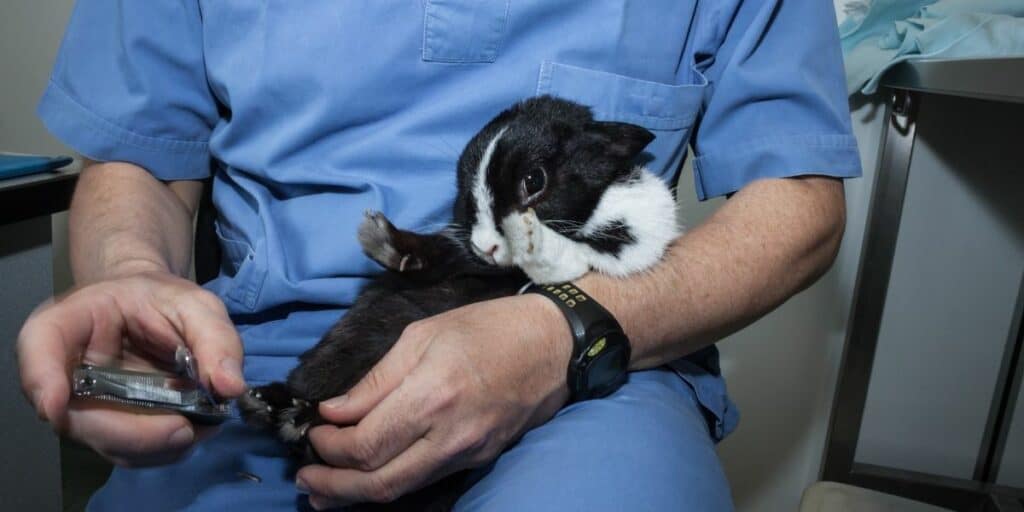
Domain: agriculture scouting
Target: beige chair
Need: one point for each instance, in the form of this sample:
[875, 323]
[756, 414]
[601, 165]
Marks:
[836, 497]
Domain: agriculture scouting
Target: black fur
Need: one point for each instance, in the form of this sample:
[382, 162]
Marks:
[433, 273]
[610, 238]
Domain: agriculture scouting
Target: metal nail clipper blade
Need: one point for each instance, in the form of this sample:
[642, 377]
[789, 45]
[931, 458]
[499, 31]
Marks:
[182, 393]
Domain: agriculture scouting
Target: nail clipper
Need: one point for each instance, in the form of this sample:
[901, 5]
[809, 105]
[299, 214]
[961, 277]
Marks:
[182, 392]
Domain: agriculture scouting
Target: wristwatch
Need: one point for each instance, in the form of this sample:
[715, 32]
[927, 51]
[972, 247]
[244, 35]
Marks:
[600, 352]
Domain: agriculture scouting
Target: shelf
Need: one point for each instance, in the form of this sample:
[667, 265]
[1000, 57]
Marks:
[997, 79]
[39, 194]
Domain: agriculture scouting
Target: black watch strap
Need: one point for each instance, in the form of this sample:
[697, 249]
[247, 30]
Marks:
[600, 354]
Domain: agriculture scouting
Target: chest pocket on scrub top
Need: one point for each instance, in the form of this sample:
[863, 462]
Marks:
[668, 110]
[242, 275]
[464, 31]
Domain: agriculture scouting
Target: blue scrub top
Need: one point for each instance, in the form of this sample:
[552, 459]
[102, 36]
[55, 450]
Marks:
[308, 113]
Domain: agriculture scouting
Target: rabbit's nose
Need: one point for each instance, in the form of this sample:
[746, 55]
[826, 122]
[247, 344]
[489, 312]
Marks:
[492, 250]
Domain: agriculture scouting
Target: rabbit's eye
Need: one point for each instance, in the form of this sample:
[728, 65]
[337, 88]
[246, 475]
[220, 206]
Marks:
[533, 184]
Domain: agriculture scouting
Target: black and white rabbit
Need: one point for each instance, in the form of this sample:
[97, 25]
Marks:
[545, 193]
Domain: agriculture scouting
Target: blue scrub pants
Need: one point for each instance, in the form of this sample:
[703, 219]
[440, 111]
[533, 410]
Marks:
[647, 447]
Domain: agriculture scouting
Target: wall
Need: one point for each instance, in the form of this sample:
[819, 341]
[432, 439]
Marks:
[30, 33]
[782, 369]
[33, 483]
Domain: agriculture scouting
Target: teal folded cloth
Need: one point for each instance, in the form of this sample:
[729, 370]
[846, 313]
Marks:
[879, 34]
[13, 164]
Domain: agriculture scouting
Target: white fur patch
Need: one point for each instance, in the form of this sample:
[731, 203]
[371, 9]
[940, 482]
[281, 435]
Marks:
[644, 204]
[648, 208]
[484, 235]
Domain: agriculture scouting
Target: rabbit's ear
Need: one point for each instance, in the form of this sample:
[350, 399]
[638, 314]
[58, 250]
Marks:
[620, 140]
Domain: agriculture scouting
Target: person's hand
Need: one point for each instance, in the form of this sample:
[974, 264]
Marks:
[454, 391]
[139, 319]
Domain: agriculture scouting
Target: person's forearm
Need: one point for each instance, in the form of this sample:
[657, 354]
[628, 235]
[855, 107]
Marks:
[124, 221]
[768, 242]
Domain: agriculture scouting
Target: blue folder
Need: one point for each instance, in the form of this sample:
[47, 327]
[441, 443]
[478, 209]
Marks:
[12, 165]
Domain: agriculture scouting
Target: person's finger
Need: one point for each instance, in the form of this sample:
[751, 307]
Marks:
[382, 379]
[56, 337]
[129, 438]
[387, 431]
[331, 487]
[152, 335]
[206, 328]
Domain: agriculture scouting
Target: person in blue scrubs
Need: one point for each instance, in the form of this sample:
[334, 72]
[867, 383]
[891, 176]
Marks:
[305, 114]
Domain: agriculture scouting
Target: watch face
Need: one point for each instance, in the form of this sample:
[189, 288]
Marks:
[606, 368]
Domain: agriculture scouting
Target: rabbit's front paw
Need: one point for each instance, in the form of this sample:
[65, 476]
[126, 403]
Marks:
[545, 256]
[275, 408]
